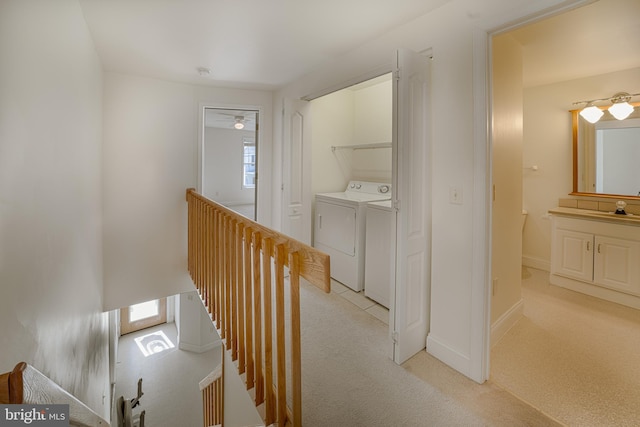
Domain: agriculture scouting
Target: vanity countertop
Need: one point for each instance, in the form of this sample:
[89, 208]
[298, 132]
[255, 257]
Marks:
[628, 219]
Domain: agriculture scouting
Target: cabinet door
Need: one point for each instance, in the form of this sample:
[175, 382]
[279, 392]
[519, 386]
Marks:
[617, 264]
[573, 255]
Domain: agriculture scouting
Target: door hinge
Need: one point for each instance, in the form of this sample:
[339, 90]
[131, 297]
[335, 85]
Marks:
[396, 74]
[396, 205]
[394, 337]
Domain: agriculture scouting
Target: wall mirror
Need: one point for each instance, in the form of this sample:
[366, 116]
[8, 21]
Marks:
[606, 155]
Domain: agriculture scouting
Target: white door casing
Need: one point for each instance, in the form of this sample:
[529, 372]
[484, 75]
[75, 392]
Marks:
[410, 304]
[296, 174]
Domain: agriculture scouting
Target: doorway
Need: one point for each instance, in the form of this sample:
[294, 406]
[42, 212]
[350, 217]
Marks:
[410, 275]
[230, 158]
[143, 315]
[554, 331]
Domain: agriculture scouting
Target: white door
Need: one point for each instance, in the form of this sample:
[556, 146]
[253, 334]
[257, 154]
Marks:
[410, 305]
[296, 176]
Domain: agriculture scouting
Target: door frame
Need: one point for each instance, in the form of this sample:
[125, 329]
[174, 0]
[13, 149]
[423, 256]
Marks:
[480, 348]
[127, 326]
[202, 107]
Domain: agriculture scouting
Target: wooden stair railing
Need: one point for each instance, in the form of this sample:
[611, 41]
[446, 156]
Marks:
[26, 385]
[212, 387]
[232, 261]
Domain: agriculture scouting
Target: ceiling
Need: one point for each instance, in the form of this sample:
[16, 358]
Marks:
[265, 44]
[599, 38]
[258, 44]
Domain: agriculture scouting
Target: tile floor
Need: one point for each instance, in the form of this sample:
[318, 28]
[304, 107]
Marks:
[360, 300]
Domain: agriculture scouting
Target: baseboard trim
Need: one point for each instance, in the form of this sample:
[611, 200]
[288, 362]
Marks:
[596, 291]
[505, 322]
[198, 348]
[539, 263]
[448, 355]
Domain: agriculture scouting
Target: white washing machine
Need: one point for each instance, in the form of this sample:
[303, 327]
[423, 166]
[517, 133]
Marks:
[380, 252]
[339, 229]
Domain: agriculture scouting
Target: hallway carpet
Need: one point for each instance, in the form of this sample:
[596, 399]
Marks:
[573, 356]
[349, 379]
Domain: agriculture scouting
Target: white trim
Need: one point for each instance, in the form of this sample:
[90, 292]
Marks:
[200, 143]
[199, 348]
[481, 284]
[596, 291]
[506, 322]
[377, 72]
[448, 355]
[534, 262]
[481, 207]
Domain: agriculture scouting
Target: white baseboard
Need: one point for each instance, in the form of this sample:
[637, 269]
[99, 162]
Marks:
[506, 322]
[198, 348]
[448, 355]
[539, 263]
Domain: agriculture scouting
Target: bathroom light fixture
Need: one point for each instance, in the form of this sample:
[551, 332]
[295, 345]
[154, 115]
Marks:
[239, 124]
[620, 108]
[591, 113]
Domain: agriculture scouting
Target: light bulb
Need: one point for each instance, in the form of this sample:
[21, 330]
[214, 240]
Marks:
[239, 125]
[621, 110]
[591, 114]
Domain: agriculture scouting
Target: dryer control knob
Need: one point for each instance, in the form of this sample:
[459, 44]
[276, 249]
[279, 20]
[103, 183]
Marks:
[358, 186]
[383, 189]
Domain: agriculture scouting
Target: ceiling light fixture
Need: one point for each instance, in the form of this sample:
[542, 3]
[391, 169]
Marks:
[620, 108]
[239, 124]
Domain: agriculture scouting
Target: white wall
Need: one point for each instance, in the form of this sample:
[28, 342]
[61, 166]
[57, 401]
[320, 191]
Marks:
[196, 332]
[350, 117]
[150, 158]
[373, 119]
[332, 125]
[50, 198]
[223, 156]
[547, 144]
[507, 183]
[449, 31]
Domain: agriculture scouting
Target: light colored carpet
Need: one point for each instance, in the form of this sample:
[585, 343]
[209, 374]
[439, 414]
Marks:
[349, 379]
[573, 356]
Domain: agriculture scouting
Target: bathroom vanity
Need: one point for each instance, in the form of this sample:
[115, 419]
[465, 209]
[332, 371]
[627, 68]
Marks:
[596, 253]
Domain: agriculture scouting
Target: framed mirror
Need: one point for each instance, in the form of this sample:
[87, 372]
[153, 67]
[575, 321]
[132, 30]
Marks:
[606, 155]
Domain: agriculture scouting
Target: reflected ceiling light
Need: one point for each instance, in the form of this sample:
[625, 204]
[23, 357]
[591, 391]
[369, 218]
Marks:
[239, 124]
[591, 113]
[620, 108]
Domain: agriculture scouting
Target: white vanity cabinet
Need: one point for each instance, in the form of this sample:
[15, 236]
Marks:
[597, 256]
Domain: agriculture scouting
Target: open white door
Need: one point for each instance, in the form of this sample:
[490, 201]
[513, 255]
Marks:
[410, 305]
[296, 176]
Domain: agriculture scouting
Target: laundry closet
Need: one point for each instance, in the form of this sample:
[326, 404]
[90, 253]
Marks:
[351, 134]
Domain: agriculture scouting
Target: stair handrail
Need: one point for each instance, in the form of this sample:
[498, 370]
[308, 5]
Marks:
[231, 260]
[27, 385]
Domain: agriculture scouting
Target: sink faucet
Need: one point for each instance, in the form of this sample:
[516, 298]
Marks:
[620, 205]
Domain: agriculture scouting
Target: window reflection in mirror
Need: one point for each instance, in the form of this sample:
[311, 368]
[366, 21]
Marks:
[606, 155]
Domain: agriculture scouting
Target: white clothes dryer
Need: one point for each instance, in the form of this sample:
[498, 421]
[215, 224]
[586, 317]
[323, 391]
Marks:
[339, 228]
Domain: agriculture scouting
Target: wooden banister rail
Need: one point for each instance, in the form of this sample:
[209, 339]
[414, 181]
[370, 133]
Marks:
[212, 387]
[238, 267]
[26, 385]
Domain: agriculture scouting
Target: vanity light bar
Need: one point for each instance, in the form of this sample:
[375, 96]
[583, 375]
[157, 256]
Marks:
[620, 108]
